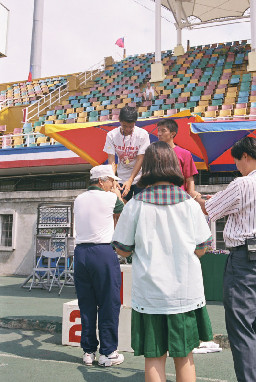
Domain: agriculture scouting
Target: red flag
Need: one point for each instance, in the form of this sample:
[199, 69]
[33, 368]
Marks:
[30, 74]
[120, 42]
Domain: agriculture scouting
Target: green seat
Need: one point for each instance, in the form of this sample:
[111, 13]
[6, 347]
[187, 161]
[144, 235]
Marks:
[61, 111]
[166, 107]
[62, 116]
[217, 102]
[191, 104]
[179, 105]
[145, 114]
[93, 119]
[93, 114]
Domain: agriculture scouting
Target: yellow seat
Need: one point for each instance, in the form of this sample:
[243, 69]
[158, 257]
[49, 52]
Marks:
[52, 117]
[210, 114]
[206, 97]
[79, 109]
[203, 103]
[158, 113]
[225, 113]
[199, 109]
[83, 114]
[17, 141]
[220, 91]
[229, 101]
[41, 140]
[240, 112]
[37, 129]
[81, 119]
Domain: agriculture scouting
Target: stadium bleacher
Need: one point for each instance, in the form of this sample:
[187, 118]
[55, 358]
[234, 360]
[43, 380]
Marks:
[211, 81]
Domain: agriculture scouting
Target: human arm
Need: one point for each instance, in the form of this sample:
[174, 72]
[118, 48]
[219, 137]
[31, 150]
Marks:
[122, 253]
[190, 186]
[127, 185]
[200, 252]
[124, 236]
[224, 203]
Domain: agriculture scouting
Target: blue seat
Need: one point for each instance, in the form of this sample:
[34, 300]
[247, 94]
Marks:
[159, 102]
[242, 100]
[234, 81]
[243, 94]
[50, 112]
[194, 98]
[104, 112]
[89, 108]
[72, 115]
[154, 107]
[218, 96]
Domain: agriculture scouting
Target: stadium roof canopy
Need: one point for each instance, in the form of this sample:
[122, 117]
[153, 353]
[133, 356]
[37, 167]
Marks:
[208, 11]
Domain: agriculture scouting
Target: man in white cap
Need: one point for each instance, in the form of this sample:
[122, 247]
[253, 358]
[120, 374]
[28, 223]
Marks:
[97, 270]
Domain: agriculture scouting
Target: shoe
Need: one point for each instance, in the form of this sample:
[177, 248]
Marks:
[89, 358]
[112, 359]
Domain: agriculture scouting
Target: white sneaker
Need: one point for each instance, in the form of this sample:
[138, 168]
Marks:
[112, 359]
[89, 358]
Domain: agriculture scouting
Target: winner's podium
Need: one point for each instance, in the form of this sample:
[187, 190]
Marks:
[71, 321]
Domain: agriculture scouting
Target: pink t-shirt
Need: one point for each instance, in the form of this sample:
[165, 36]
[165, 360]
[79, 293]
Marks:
[187, 165]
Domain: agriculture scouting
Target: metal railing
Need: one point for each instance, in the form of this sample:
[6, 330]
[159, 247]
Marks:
[35, 109]
[90, 73]
[6, 103]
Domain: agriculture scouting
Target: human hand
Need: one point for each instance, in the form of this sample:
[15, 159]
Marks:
[126, 187]
[116, 190]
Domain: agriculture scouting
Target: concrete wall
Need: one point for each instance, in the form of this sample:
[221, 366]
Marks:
[19, 260]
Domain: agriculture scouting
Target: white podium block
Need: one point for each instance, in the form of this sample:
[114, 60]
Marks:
[71, 321]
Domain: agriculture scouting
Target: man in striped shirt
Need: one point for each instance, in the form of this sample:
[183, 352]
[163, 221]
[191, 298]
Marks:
[238, 202]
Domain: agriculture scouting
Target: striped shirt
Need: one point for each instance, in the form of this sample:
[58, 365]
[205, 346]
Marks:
[238, 202]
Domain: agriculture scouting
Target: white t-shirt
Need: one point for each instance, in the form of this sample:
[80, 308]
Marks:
[166, 273]
[150, 90]
[93, 212]
[127, 148]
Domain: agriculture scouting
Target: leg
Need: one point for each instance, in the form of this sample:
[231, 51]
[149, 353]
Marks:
[185, 368]
[240, 313]
[107, 284]
[155, 369]
[86, 301]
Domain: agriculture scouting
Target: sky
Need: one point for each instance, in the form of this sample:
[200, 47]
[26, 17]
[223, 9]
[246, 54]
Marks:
[78, 34]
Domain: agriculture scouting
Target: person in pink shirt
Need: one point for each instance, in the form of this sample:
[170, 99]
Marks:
[167, 130]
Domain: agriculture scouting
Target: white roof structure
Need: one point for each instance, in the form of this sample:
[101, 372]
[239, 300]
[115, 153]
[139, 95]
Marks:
[208, 11]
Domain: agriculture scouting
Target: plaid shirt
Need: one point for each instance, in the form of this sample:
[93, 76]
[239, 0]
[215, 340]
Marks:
[162, 195]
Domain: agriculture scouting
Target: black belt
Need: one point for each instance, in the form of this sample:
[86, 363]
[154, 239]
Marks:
[239, 247]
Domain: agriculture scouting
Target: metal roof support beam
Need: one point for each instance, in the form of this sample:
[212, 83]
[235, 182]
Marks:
[157, 69]
[252, 55]
[178, 50]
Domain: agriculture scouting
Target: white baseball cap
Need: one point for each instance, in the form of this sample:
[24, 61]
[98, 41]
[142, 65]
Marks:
[102, 171]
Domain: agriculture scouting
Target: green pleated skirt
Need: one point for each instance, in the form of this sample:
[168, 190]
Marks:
[155, 334]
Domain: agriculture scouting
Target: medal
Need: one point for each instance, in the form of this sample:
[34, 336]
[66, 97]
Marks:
[127, 161]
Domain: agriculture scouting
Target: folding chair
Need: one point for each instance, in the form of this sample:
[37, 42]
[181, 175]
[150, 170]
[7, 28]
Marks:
[68, 272]
[46, 272]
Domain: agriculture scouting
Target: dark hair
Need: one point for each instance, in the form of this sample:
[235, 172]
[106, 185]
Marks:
[128, 114]
[160, 164]
[171, 124]
[245, 145]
